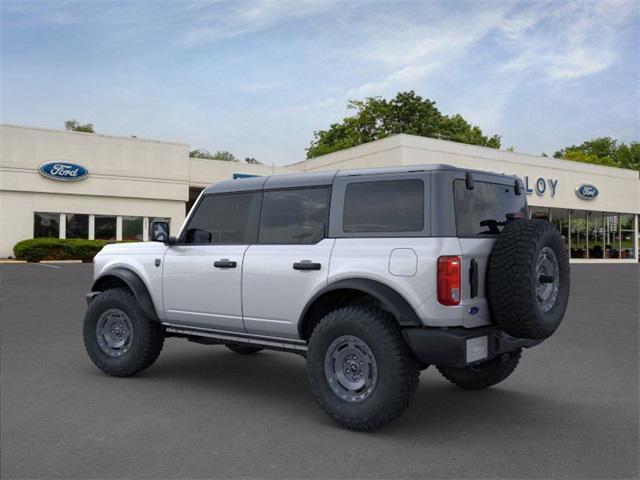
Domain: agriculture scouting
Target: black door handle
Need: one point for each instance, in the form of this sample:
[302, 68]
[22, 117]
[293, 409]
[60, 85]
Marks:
[224, 263]
[306, 265]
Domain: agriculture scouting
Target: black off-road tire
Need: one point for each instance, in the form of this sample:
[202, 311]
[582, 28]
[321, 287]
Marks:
[513, 282]
[147, 339]
[243, 349]
[397, 369]
[484, 375]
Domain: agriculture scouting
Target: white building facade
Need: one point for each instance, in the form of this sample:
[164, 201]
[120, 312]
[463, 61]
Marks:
[77, 185]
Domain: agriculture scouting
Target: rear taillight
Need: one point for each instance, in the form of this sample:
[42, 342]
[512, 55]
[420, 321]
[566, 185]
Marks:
[449, 280]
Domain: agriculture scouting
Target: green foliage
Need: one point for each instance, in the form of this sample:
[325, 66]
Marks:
[201, 153]
[377, 118]
[252, 161]
[604, 151]
[36, 249]
[75, 126]
[223, 155]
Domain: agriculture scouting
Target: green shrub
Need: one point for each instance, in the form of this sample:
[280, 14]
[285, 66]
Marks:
[36, 249]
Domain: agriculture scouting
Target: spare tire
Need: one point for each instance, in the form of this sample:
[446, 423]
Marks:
[528, 279]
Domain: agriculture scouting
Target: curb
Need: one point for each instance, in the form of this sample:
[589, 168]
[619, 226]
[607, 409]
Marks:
[60, 261]
[9, 261]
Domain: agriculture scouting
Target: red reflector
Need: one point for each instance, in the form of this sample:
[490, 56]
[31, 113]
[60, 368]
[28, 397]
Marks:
[449, 268]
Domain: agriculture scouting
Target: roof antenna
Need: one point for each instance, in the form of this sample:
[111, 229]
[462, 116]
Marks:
[468, 180]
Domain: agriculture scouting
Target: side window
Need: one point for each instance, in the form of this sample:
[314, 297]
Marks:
[384, 206]
[294, 216]
[224, 219]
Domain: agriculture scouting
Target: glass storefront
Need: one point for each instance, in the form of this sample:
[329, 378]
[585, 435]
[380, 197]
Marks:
[77, 226]
[132, 228]
[592, 234]
[105, 227]
[46, 225]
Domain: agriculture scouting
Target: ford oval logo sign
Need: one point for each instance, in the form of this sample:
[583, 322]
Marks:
[64, 171]
[586, 191]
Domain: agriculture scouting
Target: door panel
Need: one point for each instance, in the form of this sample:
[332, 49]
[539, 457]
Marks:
[198, 293]
[274, 293]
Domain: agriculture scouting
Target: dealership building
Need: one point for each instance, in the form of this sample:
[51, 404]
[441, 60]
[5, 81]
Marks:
[78, 185]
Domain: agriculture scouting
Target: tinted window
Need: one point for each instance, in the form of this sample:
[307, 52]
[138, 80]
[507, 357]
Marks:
[132, 228]
[46, 225]
[385, 206]
[224, 219]
[105, 227]
[77, 226]
[483, 209]
[294, 216]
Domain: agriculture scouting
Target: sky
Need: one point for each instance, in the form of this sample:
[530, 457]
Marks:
[258, 77]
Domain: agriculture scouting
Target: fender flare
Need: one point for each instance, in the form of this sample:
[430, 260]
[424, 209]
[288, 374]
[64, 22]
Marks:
[392, 301]
[135, 284]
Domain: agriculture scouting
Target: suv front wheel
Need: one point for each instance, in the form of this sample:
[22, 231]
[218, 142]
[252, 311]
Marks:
[360, 368]
[120, 340]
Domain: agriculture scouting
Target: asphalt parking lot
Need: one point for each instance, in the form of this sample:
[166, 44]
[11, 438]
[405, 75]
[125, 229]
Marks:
[569, 411]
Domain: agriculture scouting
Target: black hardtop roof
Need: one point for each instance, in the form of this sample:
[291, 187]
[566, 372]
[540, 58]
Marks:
[316, 179]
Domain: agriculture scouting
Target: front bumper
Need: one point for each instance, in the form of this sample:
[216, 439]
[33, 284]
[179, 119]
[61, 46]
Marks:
[460, 347]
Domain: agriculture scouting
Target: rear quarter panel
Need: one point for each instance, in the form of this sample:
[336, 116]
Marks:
[371, 258]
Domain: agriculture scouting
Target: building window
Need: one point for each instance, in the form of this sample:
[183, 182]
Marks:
[105, 227]
[560, 220]
[539, 213]
[132, 228]
[578, 234]
[595, 237]
[626, 236]
[611, 235]
[77, 226]
[46, 225]
[294, 216]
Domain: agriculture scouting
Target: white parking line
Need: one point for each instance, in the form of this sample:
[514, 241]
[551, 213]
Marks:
[47, 265]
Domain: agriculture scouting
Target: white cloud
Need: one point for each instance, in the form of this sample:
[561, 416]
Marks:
[405, 77]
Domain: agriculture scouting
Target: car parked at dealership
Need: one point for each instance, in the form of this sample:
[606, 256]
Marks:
[372, 275]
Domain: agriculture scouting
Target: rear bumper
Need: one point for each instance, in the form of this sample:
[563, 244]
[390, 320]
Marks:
[459, 347]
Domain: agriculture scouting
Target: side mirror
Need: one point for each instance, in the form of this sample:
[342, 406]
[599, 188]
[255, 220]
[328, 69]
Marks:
[159, 232]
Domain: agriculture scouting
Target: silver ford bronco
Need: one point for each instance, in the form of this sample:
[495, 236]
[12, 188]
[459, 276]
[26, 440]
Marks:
[372, 275]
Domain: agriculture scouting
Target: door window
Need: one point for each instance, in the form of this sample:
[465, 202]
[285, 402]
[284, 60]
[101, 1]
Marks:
[295, 216]
[224, 219]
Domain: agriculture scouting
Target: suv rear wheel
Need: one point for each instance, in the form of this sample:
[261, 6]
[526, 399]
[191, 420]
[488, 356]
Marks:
[120, 340]
[475, 377]
[360, 368]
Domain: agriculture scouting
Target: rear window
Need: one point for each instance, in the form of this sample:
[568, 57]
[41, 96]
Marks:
[384, 206]
[483, 210]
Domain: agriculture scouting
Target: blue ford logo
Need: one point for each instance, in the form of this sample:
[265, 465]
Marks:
[586, 191]
[64, 171]
[473, 310]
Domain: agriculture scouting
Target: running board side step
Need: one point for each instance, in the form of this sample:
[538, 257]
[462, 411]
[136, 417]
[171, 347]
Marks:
[274, 343]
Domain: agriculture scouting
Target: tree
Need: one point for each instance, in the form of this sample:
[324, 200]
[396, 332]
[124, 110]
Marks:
[225, 156]
[201, 153]
[75, 126]
[252, 161]
[604, 151]
[377, 118]
[219, 155]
